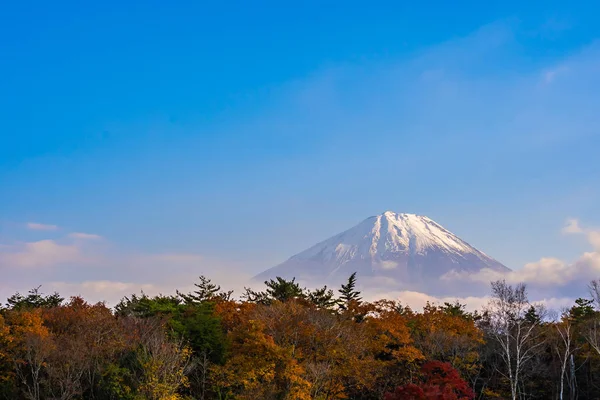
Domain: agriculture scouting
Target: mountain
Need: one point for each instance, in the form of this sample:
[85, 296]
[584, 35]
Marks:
[407, 249]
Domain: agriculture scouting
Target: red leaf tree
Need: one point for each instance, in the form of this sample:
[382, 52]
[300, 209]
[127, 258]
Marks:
[440, 381]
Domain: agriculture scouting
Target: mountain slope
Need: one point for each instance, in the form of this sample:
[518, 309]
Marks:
[407, 248]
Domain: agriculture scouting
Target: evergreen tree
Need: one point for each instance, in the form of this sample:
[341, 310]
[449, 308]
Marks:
[144, 306]
[456, 309]
[278, 289]
[283, 290]
[583, 310]
[193, 321]
[35, 299]
[206, 291]
[322, 298]
[348, 292]
[533, 315]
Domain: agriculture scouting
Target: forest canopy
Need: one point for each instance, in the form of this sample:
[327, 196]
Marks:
[288, 342]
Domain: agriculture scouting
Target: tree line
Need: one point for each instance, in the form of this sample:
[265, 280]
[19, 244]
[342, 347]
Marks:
[288, 342]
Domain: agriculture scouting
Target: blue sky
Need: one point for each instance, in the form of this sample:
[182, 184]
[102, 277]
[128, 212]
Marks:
[241, 133]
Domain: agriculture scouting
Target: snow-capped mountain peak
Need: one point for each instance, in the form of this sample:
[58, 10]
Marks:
[408, 247]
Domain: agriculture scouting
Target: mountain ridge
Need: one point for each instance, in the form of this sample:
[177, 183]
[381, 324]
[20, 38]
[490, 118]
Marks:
[409, 248]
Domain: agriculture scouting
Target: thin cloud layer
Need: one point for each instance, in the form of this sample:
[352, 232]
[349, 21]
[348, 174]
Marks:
[82, 264]
[34, 226]
[109, 292]
[86, 236]
[40, 254]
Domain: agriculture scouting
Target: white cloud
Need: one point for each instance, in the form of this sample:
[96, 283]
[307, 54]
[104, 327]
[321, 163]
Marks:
[43, 253]
[549, 273]
[96, 269]
[572, 226]
[387, 265]
[417, 300]
[34, 226]
[593, 236]
[546, 271]
[594, 239]
[109, 291]
[87, 236]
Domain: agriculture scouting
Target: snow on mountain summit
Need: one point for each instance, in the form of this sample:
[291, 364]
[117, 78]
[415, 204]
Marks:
[406, 247]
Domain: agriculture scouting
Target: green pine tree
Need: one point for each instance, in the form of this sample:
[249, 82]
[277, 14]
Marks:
[278, 289]
[322, 298]
[34, 299]
[348, 293]
[206, 291]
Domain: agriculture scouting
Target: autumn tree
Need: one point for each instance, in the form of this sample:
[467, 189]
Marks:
[71, 359]
[289, 343]
[306, 351]
[439, 382]
[447, 333]
[386, 325]
[87, 338]
[7, 376]
[162, 362]
[30, 350]
[258, 368]
[192, 322]
[266, 349]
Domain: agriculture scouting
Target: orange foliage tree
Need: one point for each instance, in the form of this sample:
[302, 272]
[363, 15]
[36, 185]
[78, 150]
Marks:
[447, 333]
[30, 349]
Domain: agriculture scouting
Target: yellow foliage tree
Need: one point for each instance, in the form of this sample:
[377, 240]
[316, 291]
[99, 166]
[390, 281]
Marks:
[163, 363]
[448, 337]
[6, 370]
[30, 349]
